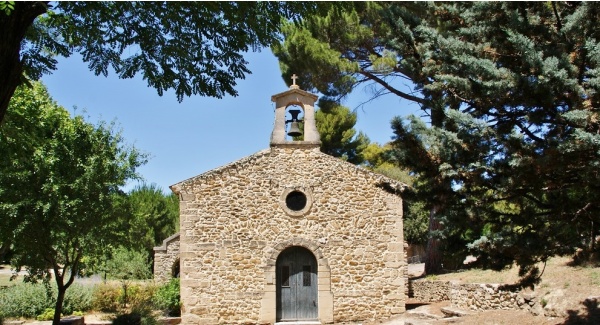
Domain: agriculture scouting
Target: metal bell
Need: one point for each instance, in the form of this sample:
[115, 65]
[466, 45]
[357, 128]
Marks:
[294, 130]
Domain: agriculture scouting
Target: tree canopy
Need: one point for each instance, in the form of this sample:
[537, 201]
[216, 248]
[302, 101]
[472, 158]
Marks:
[335, 124]
[507, 154]
[193, 48]
[59, 180]
[150, 218]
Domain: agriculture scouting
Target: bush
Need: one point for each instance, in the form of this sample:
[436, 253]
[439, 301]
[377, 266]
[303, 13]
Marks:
[48, 314]
[24, 300]
[167, 298]
[30, 300]
[140, 294]
[106, 298]
[77, 298]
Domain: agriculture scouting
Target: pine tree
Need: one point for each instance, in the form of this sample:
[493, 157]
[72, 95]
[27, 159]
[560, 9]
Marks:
[508, 154]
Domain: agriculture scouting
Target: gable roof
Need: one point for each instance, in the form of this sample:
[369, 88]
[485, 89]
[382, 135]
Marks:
[386, 183]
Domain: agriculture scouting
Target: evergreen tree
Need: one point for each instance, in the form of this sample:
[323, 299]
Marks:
[508, 155]
[151, 218]
[335, 124]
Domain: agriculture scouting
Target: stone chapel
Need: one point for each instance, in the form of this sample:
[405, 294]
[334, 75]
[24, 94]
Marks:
[288, 234]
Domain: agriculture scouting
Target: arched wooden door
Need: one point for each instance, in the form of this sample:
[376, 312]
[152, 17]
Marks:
[297, 285]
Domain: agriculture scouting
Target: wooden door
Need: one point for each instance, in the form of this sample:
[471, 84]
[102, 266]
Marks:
[296, 285]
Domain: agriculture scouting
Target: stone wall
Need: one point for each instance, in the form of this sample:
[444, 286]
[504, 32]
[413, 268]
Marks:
[165, 257]
[430, 291]
[476, 297]
[480, 297]
[234, 223]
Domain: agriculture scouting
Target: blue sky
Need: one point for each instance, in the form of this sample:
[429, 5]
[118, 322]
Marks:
[189, 138]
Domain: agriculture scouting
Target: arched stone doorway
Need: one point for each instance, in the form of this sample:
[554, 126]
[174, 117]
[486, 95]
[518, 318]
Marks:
[297, 294]
[325, 297]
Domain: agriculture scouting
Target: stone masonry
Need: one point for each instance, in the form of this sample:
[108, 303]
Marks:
[165, 259]
[235, 221]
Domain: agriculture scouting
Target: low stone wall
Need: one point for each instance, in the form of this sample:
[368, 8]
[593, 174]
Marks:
[479, 297]
[476, 297]
[429, 291]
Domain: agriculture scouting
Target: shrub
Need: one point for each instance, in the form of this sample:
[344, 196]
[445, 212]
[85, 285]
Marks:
[106, 298]
[141, 294]
[167, 298]
[31, 300]
[25, 300]
[48, 314]
[77, 298]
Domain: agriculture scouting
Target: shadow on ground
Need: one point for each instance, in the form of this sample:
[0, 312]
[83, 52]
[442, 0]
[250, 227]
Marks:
[591, 315]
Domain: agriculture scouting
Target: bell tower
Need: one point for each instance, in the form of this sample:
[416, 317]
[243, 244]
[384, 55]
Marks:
[291, 103]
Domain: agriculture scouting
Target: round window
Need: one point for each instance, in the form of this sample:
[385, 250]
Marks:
[295, 201]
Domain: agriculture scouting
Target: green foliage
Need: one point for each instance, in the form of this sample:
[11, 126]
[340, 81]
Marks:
[507, 159]
[48, 314]
[24, 300]
[140, 294]
[167, 298]
[152, 217]
[127, 265]
[59, 177]
[30, 300]
[149, 38]
[106, 298]
[335, 124]
[7, 7]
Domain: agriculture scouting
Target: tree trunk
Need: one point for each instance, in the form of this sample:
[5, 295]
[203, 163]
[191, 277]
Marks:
[59, 304]
[433, 258]
[12, 32]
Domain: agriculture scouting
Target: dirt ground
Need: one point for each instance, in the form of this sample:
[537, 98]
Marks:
[566, 295]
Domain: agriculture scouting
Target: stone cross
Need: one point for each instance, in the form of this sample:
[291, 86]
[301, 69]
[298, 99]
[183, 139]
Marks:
[294, 86]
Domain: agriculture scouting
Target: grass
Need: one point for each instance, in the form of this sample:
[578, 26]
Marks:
[595, 278]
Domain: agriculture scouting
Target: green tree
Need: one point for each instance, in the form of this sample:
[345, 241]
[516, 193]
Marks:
[193, 48]
[335, 124]
[510, 91]
[342, 50]
[153, 217]
[59, 177]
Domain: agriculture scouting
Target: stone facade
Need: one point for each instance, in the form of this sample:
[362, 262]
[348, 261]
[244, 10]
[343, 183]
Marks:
[237, 220]
[234, 224]
[166, 259]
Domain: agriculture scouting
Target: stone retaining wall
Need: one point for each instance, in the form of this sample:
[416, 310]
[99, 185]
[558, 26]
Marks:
[480, 297]
[476, 297]
[430, 291]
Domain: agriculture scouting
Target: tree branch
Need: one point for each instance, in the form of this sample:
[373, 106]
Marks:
[392, 90]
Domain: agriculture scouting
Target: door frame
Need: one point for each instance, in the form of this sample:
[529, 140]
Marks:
[268, 309]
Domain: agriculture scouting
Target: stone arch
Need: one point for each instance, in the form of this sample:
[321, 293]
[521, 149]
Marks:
[268, 303]
[175, 269]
